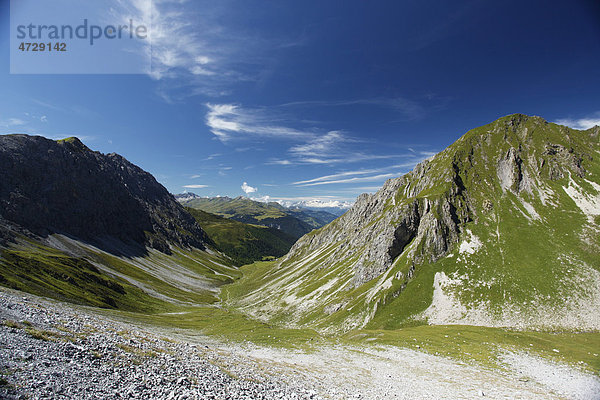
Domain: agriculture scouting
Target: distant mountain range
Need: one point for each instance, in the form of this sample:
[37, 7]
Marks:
[334, 207]
[294, 221]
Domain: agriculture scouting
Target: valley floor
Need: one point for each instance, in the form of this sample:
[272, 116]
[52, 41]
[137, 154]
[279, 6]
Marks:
[52, 350]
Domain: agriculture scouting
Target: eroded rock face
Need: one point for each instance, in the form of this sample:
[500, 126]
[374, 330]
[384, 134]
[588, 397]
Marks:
[405, 233]
[562, 160]
[64, 187]
[509, 171]
[376, 230]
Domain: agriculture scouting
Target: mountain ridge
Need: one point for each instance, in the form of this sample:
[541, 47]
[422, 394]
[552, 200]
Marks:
[53, 186]
[442, 230]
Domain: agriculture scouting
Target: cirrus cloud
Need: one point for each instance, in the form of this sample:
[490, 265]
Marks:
[230, 121]
[582, 123]
[195, 186]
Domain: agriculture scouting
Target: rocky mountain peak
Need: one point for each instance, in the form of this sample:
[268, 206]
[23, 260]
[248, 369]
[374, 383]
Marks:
[457, 224]
[49, 186]
[73, 143]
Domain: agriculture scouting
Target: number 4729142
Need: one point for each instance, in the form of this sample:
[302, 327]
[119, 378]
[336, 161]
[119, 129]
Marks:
[42, 46]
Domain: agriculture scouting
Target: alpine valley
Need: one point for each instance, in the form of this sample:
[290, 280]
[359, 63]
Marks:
[483, 260]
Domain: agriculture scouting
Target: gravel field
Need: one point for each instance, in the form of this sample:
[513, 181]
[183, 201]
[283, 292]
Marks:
[51, 350]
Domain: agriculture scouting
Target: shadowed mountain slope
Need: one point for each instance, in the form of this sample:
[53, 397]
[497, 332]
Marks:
[95, 229]
[49, 186]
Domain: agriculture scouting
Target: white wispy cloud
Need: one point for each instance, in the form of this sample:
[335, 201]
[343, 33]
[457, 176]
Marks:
[317, 147]
[175, 44]
[360, 172]
[195, 186]
[247, 188]
[196, 176]
[47, 105]
[363, 175]
[196, 48]
[582, 123]
[223, 170]
[229, 121]
[334, 147]
[65, 109]
[20, 123]
[340, 157]
[15, 122]
[212, 156]
[372, 178]
[279, 162]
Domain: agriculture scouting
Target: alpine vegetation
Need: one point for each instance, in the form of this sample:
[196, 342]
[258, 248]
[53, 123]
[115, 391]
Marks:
[501, 229]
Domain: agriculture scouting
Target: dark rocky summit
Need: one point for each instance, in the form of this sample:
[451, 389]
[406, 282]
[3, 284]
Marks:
[49, 186]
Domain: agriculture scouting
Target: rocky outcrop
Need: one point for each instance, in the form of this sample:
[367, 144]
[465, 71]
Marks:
[378, 228]
[49, 186]
[562, 160]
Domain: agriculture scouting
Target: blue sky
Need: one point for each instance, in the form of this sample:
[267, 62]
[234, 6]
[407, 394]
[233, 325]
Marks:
[314, 99]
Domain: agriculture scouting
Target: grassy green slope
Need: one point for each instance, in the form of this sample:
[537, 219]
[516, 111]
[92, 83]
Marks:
[485, 345]
[84, 274]
[482, 345]
[529, 255]
[537, 248]
[48, 272]
[236, 208]
[244, 243]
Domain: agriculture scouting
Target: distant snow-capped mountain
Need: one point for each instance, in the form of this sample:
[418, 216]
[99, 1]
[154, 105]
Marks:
[335, 207]
[182, 197]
